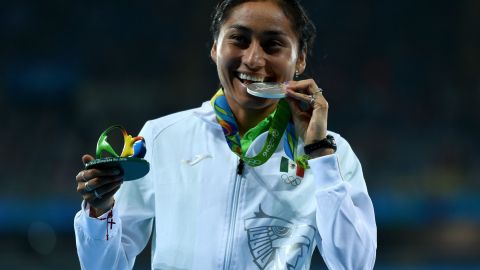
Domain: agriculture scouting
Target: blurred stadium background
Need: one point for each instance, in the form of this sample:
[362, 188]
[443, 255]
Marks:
[402, 78]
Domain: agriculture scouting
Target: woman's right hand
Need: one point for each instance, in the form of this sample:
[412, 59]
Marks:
[97, 186]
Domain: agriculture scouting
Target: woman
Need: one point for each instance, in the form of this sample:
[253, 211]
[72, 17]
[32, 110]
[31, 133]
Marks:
[210, 201]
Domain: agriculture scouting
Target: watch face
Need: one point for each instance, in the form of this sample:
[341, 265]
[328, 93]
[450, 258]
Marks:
[332, 142]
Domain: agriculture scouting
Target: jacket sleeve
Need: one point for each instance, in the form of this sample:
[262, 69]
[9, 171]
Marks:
[345, 217]
[128, 229]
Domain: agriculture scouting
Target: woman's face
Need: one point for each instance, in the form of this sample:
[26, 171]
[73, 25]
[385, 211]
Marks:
[255, 43]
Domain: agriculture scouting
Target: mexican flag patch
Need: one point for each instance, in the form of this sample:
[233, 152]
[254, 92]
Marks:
[292, 173]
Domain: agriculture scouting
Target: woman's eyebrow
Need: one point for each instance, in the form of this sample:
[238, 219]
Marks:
[249, 31]
[240, 28]
[274, 33]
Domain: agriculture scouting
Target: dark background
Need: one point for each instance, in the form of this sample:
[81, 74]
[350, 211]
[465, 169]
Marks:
[402, 78]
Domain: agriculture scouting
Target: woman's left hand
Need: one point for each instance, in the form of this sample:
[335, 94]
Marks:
[310, 118]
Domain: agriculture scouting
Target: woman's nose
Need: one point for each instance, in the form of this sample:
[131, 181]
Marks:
[254, 57]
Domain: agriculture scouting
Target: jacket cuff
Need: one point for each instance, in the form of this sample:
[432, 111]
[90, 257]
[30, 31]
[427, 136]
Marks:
[99, 228]
[326, 171]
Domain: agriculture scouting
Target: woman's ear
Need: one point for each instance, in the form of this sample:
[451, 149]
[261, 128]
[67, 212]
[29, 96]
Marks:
[301, 61]
[213, 52]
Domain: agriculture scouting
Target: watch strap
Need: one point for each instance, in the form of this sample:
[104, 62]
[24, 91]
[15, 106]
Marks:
[328, 142]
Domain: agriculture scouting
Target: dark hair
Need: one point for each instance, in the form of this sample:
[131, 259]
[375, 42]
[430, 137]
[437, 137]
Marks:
[303, 26]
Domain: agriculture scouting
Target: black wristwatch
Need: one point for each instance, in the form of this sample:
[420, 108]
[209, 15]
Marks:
[328, 142]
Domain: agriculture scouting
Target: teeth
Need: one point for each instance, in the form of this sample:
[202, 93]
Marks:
[244, 76]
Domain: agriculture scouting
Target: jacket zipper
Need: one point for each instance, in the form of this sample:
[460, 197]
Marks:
[233, 214]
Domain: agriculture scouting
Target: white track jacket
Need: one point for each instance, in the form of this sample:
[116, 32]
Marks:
[204, 212]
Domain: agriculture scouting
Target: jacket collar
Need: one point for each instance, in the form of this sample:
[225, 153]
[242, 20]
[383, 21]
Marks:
[206, 113]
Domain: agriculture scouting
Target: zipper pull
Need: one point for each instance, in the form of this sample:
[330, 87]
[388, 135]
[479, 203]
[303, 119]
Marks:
[240, 167]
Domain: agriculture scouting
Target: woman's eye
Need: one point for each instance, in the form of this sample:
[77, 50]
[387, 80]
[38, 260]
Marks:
[238, 39]
[273, 45]
[276, 43]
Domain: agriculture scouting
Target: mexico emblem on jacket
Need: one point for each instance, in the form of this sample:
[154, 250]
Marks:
[290, 172]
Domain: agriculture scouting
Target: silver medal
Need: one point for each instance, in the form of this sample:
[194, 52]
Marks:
[267, 90]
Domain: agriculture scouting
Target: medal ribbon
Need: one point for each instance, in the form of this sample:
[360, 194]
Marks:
[278, 125]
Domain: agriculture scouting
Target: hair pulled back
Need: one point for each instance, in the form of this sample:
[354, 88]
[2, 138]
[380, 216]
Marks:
[301, 23]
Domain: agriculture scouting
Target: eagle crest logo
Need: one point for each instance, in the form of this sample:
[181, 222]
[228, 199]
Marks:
[276, 243]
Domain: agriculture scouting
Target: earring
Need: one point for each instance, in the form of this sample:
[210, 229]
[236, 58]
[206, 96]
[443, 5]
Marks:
[296, 74]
